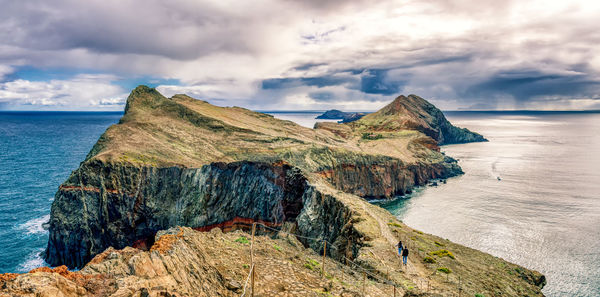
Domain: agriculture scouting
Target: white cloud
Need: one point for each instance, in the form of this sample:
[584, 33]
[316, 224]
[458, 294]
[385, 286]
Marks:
[83, 92]
[449, 51]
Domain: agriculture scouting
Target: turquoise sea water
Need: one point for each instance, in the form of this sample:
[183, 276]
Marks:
[543, 213]
[38, 151]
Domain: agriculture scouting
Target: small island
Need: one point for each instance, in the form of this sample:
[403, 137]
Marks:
[345, 117]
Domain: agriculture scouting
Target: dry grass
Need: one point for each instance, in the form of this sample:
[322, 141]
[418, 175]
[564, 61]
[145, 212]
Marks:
[182, 131]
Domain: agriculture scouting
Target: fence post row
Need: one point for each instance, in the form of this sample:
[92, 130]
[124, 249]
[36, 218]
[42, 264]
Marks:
[252, 268]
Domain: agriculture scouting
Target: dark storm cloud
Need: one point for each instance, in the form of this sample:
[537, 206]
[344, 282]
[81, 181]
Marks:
[322, 96]
[525, 85]
[375, 81]
[319, 82]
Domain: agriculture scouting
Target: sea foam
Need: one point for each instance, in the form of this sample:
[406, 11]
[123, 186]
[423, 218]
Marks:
[33, 260]
[35, 226]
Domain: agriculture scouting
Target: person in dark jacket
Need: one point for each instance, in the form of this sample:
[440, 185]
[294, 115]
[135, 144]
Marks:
[400, 248]
[405, 255]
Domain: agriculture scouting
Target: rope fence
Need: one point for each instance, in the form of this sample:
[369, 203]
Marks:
[355, 268]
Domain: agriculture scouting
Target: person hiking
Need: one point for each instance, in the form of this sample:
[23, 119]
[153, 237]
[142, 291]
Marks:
[405, 255]
[400, 248]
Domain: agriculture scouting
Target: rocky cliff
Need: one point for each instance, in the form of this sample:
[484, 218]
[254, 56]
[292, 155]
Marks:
[415, 113]
[183, 162]
[184, 262]
[180, 161]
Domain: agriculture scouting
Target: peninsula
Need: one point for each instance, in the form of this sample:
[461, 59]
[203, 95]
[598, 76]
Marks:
[158, 205]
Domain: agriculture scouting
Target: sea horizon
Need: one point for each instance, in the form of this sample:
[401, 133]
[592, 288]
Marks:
[324, 110]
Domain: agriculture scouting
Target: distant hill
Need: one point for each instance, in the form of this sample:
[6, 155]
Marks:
[415, 113]
[346, 117]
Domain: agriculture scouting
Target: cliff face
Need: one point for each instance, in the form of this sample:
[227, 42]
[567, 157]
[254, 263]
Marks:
[180, 161]
[380, 178]
[183, 162]
[115, 205]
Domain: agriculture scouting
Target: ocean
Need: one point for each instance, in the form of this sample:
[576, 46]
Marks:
[38, 151]
[531, 195]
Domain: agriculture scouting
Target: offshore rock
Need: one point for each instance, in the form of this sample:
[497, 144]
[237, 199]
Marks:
[346, 117]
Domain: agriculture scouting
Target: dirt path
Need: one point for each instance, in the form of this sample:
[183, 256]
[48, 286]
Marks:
[411, 270]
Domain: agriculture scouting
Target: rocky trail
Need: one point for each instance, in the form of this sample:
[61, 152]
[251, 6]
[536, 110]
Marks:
[413, 271]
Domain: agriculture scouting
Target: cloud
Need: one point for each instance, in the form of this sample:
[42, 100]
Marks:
[307, 54]
[83, 92]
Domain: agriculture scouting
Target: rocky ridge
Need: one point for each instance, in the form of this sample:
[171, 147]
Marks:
[415, 113]
[183, 162]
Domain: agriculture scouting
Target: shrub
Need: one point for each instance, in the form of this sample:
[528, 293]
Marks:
[428, 260]
[242, 240]
[438, 243]
[311, 264]
[371, 136]
[395, 225]
[277, 247]
[443, 253]
[479, 295]
[445, 270]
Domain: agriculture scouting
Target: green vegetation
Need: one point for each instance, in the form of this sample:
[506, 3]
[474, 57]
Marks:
[445, 270]
[395, 225]
[443, 253]
[371, 136]
[242, 240]
[479, 295]
[245, 266]
[322, 293]
[417, 231]
[429, 260]
[438, 243]
[277, 247]
[311, 264]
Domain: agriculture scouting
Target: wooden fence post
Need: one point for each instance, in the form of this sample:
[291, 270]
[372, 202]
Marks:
[323, 264]
[344, 268]
[252, 280]
[252, 259]
[364, 283]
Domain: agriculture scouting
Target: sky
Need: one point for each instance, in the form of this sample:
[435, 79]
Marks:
[301, 55]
